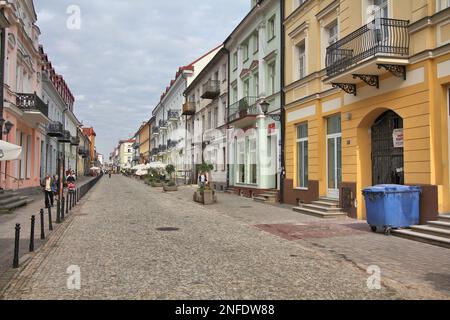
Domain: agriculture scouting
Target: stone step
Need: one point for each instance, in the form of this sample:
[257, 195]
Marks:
[330, 200]
[9, 200]
[268, 197]
[322, 208]
[14, 205]
[320, 214]
[439, 232]
[422, 237]
[444, 217]
[326, 204]
[260, 199]
[8, 194]
[440, 224]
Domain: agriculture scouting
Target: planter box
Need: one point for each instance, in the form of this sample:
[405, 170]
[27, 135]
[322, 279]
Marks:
[157, 185]
[206, 197]
[169, 189]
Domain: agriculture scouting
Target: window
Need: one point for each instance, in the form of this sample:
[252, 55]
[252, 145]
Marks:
[241, 162]
[234, 93]
[302, 155]
[271, 28]
[216, 117]
[382, 8]
[256, 84]
[332, 31]
[251, 142]
[209, 120]
[246, 87]
[224, 72]
[235, 60]
[442, 4]
[256, 42]
[271, 69]
[301, 60]
[245, 55]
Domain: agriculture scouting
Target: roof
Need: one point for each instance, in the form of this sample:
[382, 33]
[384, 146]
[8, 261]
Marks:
[89, 132]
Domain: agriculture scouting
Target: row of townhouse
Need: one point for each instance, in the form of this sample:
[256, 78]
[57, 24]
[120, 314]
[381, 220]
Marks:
[36, 106]
[316, 99]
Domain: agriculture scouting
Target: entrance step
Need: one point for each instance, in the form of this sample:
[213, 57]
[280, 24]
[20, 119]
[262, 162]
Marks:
[320, 214]
[260, 199]
[444, 217]
[439, 232]
[422, 237]
[321, 208]
[440, 224]
[10, 200]
[328, 204]
[229, 190]
[6, 195]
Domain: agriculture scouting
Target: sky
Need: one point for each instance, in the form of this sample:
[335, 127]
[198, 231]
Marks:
[118, 56]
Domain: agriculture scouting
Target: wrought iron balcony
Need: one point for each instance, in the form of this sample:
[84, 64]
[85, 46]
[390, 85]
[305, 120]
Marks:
[155, 131]
[245, 107]
[162, 124]
[381, 37]
[189, 108]
[173, 115]
[171, 144]
[82, 152]
[162, 148]
[154, 152]
[31, 102]
[66, 137]
[75, 141]
[55, 129]
[211, 89]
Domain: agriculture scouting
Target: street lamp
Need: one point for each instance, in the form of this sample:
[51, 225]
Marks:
[6, 127]
[265, 110]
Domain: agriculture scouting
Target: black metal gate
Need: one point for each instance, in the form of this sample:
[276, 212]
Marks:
[387, 161]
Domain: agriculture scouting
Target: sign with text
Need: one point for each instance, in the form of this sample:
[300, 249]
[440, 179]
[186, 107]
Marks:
[398, 138]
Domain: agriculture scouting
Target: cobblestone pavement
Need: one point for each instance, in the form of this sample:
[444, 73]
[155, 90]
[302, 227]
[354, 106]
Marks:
[7, 231]
[217, 252]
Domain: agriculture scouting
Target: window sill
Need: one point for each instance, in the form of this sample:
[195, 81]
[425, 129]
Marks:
[301, 189]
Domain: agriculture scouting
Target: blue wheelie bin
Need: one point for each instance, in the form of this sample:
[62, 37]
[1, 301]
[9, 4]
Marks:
[392, 206]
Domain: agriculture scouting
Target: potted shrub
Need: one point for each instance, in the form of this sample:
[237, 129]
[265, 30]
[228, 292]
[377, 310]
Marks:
[155, 178]
[170, 185]
[204, 193]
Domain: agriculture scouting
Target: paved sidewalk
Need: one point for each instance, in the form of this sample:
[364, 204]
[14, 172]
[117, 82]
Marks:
[236, 249]
[23, 216]
[417, 269]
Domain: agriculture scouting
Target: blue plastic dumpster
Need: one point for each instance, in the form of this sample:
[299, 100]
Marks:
[392, 206]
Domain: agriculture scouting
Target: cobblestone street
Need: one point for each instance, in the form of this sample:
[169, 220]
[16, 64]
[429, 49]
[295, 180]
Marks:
[236, 249]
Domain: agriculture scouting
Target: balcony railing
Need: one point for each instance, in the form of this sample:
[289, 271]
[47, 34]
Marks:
[242, 108]
[66, 137]
[31, 102]
[381, 36]
[211, 89]
[162, 125]
[55, 129]
[173, 115]
[82, 152]
[162, 148]
[75, 141]
[155, 130]
[171, 144]
[154, 152]
[189, 108]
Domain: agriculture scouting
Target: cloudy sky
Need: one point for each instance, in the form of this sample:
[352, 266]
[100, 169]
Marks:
[123, 54]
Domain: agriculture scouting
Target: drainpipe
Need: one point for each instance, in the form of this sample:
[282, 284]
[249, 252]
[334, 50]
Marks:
[283, 111]
[227, 114]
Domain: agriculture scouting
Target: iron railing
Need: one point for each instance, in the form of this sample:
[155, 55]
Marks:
[381, 36]
[55, 129]
[162, 148]
[211, 89]
[244, 107]
[154, 152]
[75, 141]
[31, 102]
[171, 144]
[162, 124]
[66, 137]
[155, 130]
[173, 115]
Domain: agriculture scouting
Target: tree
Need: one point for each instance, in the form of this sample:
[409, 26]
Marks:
[170, 169]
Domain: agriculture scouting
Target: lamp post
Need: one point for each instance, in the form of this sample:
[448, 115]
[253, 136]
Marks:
[265, 110]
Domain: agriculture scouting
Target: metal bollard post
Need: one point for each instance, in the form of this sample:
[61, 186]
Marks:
[16, 247]
[63, 208]
[33, 222]
[70, 201]
[42, 224]
[58, 211]
[67, 204]
[50, 224]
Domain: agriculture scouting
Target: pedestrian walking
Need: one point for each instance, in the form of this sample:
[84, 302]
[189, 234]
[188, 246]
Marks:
[48, 191]
[202, 180]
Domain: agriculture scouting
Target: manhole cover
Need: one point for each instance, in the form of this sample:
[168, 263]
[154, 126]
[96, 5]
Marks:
[167, 229]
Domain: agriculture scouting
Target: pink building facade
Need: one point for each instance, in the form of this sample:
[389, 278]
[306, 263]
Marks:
[23, 106]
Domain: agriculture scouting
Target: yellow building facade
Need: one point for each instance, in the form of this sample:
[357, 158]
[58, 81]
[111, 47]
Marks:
[367, 100]
[144, 143]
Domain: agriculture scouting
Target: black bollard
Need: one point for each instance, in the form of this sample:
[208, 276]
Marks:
[33, 221]
[58, 211]
[16, 247]
[63, 201]
[42, 224]
[50, 224]
[67, 203]
[70, 201]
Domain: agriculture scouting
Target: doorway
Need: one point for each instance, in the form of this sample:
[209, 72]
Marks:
[387, 149]
[334, 156]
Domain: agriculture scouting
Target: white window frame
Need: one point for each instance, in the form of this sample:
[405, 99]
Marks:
[301, 60]
[439, 6]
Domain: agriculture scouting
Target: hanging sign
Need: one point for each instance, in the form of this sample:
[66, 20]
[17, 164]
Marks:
[272, 128]
[398, 138]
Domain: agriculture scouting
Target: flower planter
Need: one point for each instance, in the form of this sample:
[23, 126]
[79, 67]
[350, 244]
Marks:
[170, 188]
[157, 184]
[206, 197]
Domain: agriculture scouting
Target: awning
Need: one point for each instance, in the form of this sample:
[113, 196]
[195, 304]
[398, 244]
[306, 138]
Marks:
[9, 151]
